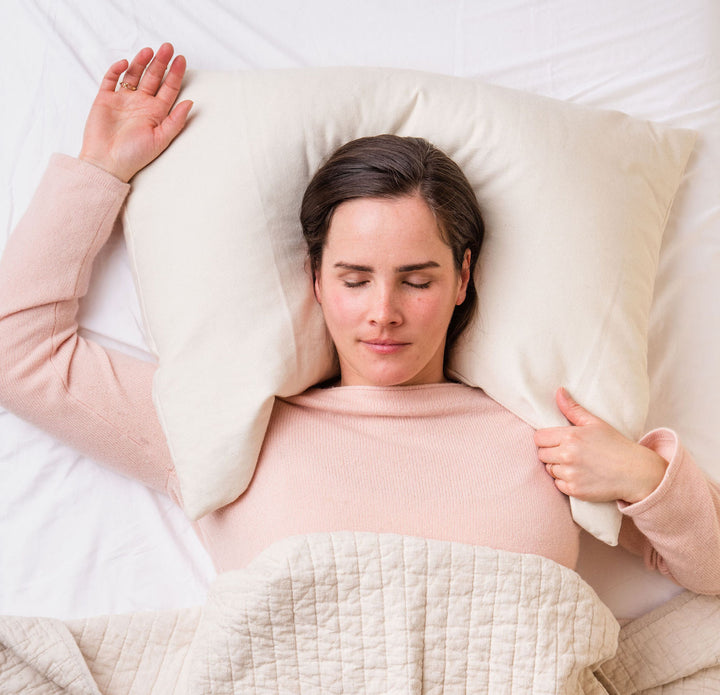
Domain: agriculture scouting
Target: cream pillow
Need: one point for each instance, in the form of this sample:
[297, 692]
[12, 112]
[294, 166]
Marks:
[574, 199]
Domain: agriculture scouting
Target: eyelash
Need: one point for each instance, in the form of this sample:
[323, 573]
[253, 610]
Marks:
[416, 286]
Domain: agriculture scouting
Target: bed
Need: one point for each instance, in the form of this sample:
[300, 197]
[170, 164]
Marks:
[77, 540]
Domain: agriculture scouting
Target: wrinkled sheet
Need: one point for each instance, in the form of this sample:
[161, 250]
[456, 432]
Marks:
[76, 540]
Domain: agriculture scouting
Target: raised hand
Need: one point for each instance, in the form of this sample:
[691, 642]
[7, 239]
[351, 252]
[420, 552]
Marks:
[592, 461]
[130, 126]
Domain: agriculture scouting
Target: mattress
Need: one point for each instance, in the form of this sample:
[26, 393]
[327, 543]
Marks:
[78, 540]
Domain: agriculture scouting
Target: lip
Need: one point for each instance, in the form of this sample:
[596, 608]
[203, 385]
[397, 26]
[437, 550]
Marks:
[384, 347]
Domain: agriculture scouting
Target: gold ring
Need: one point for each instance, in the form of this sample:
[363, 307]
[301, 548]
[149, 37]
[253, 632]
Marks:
[127, 85]
[551, 471]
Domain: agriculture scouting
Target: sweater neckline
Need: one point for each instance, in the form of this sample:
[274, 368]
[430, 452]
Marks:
[419, 399]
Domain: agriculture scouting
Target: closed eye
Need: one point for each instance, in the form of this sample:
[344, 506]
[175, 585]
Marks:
[418, 285]
[354, 283]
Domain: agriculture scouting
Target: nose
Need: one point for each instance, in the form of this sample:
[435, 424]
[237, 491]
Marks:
[384, 309]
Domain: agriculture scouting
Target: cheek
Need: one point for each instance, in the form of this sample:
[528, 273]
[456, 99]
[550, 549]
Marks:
[433, 310]
[339, 309]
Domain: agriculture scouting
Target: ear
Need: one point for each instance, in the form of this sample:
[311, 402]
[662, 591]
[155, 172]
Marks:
[317, 288]
[464, 278]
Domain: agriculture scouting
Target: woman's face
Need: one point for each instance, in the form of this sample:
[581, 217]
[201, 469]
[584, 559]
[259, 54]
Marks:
[388, 286]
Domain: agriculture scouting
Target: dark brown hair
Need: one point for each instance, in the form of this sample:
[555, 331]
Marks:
[390, 166]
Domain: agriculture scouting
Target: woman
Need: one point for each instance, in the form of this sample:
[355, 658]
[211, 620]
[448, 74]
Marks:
[393, 234]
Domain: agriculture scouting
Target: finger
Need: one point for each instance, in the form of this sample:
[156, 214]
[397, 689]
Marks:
[563, 486]
[173, 124]
[173, 81]
[155, 72]
[557, 473]
[572, 410]
[551, 455]
[137, 67]
[111, 77]
[550, 436]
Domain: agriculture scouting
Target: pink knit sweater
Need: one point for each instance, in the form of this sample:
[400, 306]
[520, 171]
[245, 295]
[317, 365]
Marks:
[441, 461]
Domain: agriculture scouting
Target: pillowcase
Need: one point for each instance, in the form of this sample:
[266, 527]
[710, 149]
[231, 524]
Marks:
[575, 201]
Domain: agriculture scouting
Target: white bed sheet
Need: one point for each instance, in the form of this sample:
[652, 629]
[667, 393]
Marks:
[77, 540]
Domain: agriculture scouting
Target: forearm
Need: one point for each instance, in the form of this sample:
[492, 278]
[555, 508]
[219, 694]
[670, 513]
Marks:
[677, 527]
[97, 400]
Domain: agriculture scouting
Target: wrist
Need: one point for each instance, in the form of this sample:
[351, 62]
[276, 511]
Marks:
[105, 165]
[648, 472]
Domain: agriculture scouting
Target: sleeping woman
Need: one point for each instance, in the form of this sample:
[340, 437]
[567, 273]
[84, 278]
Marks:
[393, 232]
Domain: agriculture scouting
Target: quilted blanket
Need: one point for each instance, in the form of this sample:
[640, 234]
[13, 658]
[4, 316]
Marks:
[341, 613]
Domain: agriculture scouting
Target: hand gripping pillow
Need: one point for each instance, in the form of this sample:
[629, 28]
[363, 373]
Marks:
[574, 199]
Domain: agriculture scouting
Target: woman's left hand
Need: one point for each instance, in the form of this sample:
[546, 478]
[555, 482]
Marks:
[592, 461]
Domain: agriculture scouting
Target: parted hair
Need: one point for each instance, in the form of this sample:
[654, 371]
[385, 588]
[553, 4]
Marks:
[391, 166]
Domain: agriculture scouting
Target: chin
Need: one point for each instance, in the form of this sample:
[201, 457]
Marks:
[391, 370]
[398, 378]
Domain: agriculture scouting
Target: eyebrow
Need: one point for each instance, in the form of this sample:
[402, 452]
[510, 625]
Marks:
[400, 269]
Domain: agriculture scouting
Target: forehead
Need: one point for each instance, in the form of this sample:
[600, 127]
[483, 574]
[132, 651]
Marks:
[382, 227]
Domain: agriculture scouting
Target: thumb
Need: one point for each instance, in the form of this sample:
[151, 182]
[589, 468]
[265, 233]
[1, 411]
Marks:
[573, 411]
[174, 122]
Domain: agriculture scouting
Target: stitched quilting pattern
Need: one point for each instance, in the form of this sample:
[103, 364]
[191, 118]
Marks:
[369, 613]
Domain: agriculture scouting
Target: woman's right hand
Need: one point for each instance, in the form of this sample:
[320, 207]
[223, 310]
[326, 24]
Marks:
[126, 129]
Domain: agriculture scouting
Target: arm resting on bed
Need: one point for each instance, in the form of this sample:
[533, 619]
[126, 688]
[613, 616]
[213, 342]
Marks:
[676, 529]
[98, 401]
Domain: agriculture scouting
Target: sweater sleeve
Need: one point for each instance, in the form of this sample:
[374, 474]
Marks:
[676, 529]
[98, 401]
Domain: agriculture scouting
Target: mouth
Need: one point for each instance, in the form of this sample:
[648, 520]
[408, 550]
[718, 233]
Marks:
[384, 347]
